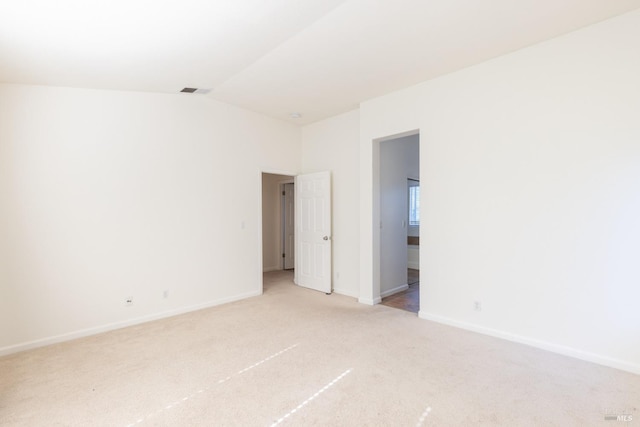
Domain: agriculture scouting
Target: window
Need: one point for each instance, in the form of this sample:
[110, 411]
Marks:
[414, 203]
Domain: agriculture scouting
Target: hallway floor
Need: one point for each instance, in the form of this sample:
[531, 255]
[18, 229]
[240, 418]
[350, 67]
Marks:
[408, 300]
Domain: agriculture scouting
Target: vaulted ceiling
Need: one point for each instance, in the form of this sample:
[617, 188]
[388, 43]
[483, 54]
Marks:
[314, 57]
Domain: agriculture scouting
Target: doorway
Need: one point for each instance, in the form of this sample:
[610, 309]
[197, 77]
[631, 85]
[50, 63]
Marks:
[399, 201]
[297, 219]
[278, 229]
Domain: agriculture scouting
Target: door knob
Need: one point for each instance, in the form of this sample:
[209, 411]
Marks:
[325, 238]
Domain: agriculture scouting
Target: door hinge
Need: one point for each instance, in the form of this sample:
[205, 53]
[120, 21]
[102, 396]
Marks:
[283, 193]
[283, 255]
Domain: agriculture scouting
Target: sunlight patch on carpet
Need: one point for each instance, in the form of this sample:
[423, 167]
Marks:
[202, 390]
[423, 417]
[318, 393]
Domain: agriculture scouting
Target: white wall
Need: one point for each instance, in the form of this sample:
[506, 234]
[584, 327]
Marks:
[399, 160]
[332, 145]
[272, 220]
[530, 169]
[106, 195]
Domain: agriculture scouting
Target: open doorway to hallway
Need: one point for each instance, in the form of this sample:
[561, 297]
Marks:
[399, 176]
[409, 299]
[278, 228]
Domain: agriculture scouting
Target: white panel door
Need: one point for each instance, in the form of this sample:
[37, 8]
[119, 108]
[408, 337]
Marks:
[313, 231]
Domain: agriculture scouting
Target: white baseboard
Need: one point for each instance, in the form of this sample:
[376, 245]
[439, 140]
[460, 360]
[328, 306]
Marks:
[394, 290]
[369, 301]
[414, 265]
[544, 345]
[268, 269]
[118, 325]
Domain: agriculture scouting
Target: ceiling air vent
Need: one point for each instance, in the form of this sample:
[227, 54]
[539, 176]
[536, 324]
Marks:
[195, 90]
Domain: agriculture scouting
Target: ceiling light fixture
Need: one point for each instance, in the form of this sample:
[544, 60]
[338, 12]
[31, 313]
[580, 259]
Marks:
[295, 115]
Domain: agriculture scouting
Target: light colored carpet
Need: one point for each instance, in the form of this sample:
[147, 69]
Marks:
[295, 357]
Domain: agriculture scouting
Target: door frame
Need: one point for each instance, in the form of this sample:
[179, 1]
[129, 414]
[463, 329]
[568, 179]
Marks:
[283, 213]
[370, 226]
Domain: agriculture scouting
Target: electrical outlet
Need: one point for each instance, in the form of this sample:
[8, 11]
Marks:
[165, 294]
[129, 301]
[477, 306]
